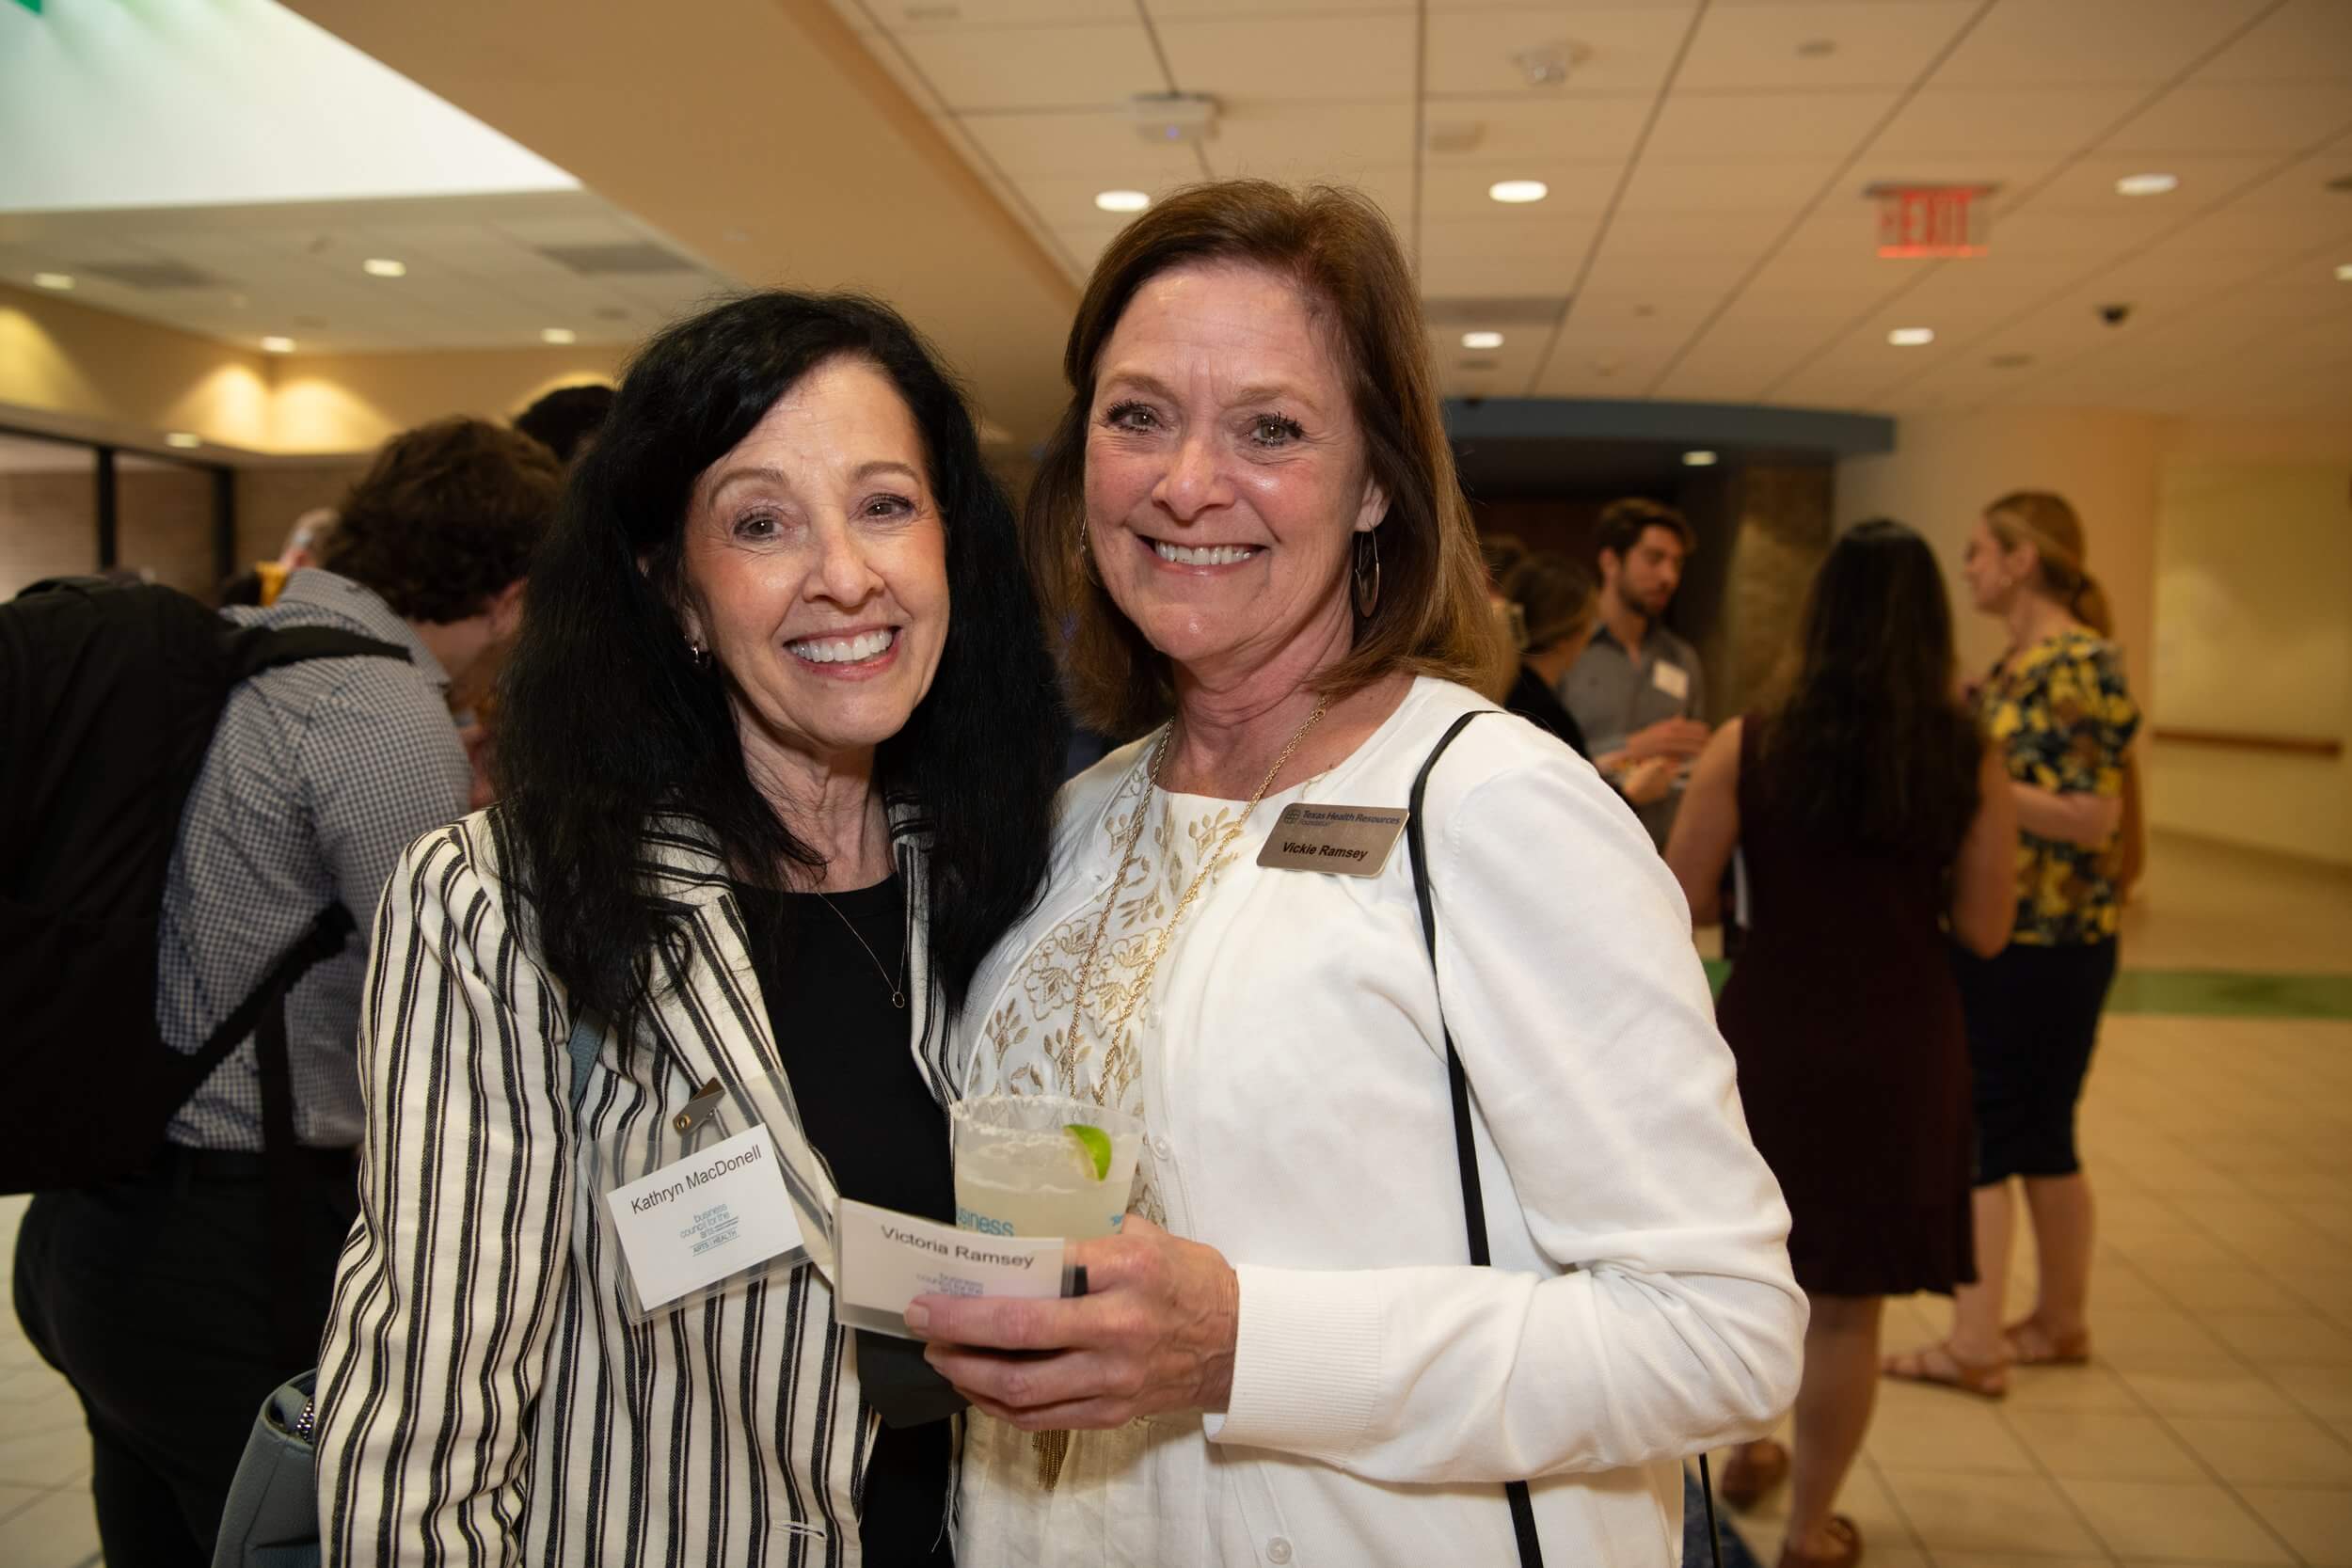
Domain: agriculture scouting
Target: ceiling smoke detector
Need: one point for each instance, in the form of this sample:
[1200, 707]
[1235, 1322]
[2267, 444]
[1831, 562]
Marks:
[2010, 362]
[1816, 48]
[1548, 65]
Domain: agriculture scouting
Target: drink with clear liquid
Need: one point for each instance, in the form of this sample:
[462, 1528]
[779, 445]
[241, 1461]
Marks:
[1037, 1165]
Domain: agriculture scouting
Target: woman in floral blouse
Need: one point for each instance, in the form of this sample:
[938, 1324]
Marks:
[2056, 709]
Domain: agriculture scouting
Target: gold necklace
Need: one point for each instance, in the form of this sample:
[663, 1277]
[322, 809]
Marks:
[898, 987]
[1208, 864]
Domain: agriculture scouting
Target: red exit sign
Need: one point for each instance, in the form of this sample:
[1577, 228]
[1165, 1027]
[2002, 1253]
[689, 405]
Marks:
[1932, 220]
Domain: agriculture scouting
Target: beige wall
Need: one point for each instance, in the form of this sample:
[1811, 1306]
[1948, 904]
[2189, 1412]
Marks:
[2254, 636]
[2225, 548]
[92, 374]
[48, 525]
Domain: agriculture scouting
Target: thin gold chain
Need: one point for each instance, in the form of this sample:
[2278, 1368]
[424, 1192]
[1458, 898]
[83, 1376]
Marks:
[1208, 865]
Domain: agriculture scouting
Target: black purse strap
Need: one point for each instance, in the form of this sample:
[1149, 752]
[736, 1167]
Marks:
[1466, 1150]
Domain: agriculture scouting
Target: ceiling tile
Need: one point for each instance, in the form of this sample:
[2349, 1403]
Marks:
[2304, 41]
[1556, 238]
[1780, 188]
[1999, 121]
[1454, 192]
[1294, 58]
[2093, 43]
[1310, 141]
[1758, 46]
[1037, 68]
[1178, 10]
[2090, 184]
[931, 16]
[1077, 142]
[1591, 130]
[1067, 202]
[1469, 275]
[1606, 51]
[1718, 127]
[2285, 117]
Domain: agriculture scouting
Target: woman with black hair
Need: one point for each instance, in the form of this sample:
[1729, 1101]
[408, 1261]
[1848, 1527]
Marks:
[778, 753]
[1871, 819]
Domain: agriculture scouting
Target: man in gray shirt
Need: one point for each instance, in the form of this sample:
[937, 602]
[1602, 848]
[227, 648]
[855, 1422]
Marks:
[1638, 691]
[173, 1302]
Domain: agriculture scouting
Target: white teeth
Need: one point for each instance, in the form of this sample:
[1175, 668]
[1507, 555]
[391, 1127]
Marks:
[844, 650]
[1222, 555]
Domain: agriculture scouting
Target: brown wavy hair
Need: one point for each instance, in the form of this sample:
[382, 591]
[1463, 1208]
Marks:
[447, 516]
[1432, 616]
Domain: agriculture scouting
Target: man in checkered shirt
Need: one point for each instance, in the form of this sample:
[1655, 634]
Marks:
[158, 1297]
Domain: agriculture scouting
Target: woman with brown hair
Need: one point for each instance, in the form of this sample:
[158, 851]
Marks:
[1250, 515]
[1871, 817]
[2057, 712]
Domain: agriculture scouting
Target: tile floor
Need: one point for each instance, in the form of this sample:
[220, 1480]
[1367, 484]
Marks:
[2215, 1427]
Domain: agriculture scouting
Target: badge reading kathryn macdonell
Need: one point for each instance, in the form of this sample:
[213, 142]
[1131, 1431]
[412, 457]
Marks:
[1353, 841]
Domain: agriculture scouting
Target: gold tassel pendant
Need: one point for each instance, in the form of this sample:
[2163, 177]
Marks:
[1052, 1448]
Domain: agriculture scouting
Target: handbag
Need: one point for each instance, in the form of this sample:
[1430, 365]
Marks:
[272, 1516]
[1466, 1151]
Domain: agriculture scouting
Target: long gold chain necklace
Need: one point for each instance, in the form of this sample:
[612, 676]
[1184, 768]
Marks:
[1199, 878]
[1052, 1448]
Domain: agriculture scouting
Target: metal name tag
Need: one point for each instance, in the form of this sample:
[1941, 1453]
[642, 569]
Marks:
[1352, 841]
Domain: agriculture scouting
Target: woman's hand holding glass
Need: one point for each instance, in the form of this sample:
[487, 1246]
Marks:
[1153, 1333]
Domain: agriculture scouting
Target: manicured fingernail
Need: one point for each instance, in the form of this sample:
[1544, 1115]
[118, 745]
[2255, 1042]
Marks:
[919, 1317]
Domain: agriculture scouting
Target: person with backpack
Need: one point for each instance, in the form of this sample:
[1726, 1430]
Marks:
[178, 1257]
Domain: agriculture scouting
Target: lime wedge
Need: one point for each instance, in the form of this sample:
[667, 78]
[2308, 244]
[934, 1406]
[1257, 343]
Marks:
[1094, 1144]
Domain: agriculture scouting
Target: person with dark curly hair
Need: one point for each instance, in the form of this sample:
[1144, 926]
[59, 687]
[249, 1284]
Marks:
[777, 756]
[176, 1300]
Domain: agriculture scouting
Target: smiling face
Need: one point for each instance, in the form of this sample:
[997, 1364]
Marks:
[1226, 474]
[816, 567]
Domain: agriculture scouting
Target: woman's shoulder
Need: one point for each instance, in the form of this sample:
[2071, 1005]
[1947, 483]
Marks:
[1497, 754]
[1086, 798]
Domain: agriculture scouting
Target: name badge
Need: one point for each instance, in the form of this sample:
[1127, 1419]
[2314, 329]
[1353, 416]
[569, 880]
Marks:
[888, 1259]
[1352, 841]
[1673, 680]
[700, 1219]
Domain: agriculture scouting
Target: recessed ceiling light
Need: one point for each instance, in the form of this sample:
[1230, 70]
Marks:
[182, 440]
[1911, 336]
[383, 266]
[1122, 202]
[278, 345]
[1482, 339]
[53, 280]
[1517, 192]
[2344, 273]
[558, 334]
[2147, 184]
[1698, 460]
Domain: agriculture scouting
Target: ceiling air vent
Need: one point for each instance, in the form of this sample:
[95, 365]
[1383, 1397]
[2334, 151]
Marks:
[615, 260]
[1478, 364]
[148, 275]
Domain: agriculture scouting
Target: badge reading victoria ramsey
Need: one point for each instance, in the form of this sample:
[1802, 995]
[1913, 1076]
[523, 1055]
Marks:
[1352, 841]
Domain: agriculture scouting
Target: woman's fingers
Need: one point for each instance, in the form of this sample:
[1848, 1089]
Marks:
[1037, 1382]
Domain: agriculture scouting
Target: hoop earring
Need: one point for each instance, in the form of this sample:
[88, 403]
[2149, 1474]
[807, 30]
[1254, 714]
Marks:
[1367, 596]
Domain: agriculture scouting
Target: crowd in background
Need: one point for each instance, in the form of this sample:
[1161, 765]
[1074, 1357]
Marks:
[1922, 867]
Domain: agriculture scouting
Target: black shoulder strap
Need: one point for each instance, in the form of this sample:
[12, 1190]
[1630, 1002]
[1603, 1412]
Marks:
[1465, 1151]
[255, 649]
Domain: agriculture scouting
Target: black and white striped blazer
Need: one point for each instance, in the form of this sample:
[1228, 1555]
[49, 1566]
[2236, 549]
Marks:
[483, 1396]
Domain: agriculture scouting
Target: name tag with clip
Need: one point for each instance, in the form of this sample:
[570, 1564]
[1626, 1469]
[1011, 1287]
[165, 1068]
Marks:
[1351, 841]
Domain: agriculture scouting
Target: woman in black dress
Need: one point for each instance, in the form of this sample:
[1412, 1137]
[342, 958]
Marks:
[1870, 817]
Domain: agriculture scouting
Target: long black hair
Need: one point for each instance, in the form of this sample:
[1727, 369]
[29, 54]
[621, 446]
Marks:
[605, 723]
[1870, 746]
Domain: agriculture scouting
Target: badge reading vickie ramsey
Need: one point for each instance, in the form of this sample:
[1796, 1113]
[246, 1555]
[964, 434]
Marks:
[1352, 841]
